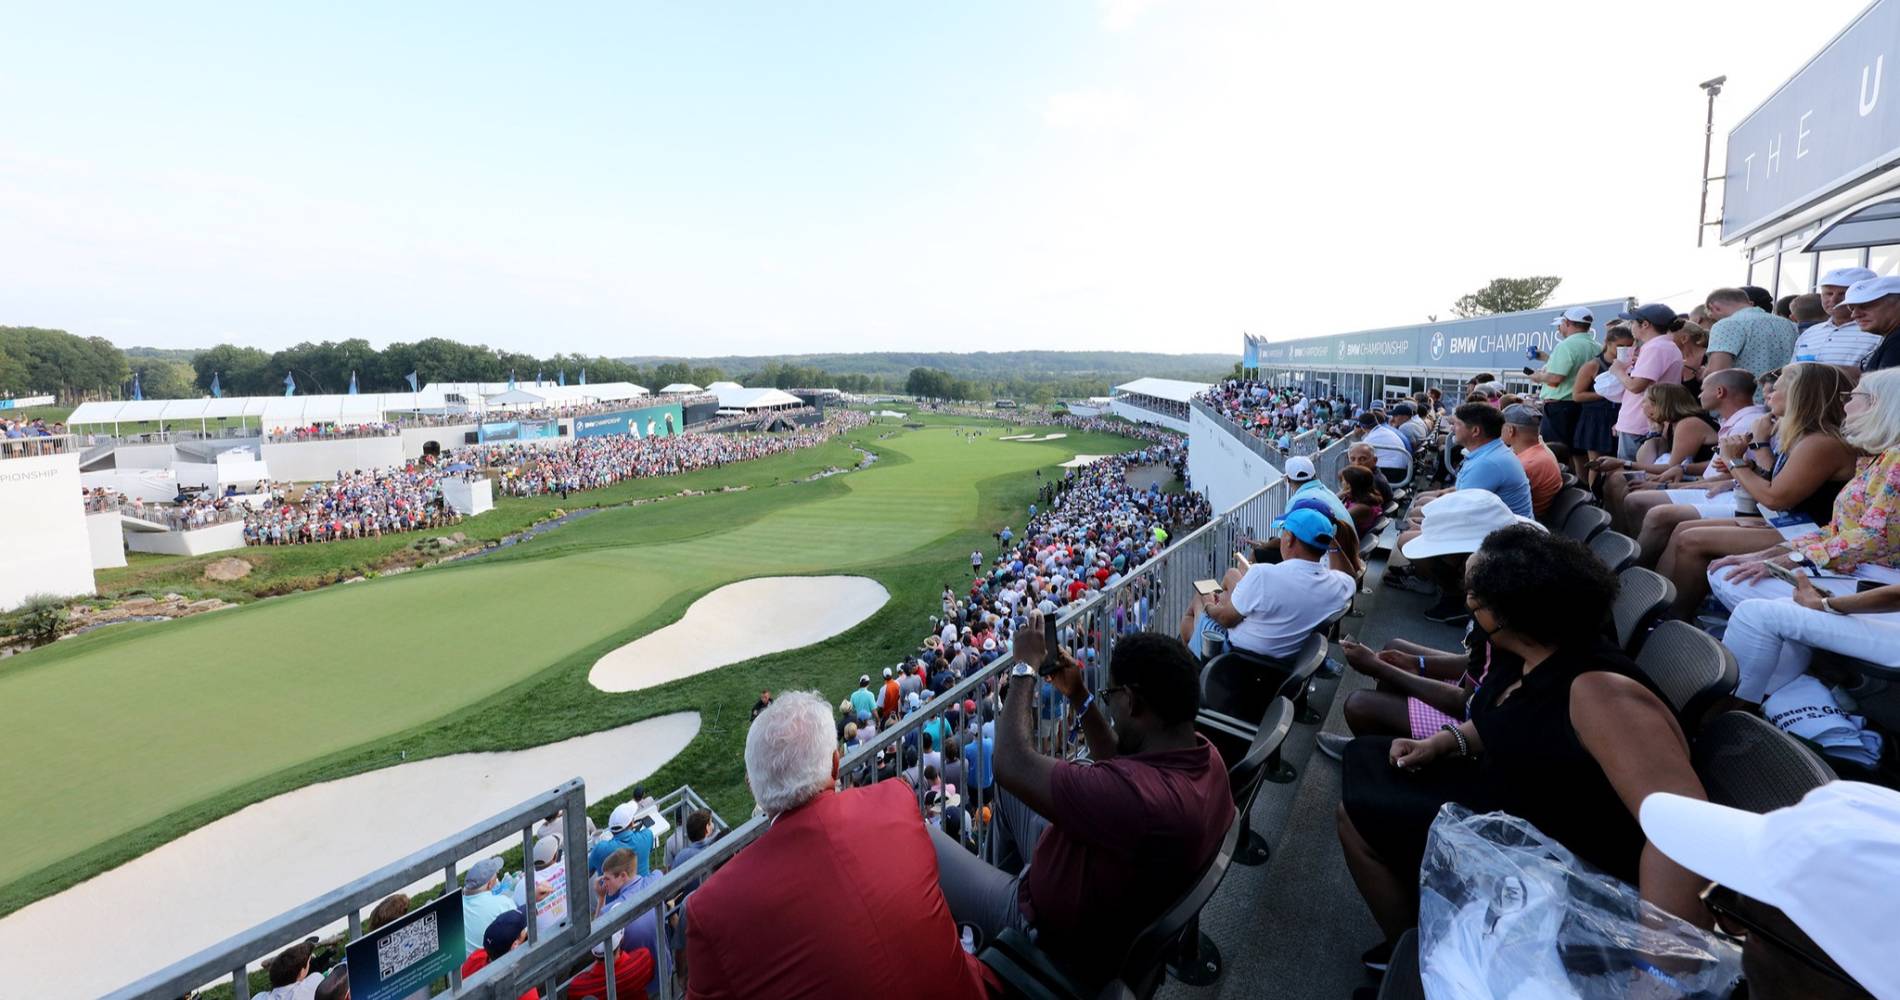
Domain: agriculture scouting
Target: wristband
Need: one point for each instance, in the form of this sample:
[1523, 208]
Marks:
[1464, 746]
[1421, 666]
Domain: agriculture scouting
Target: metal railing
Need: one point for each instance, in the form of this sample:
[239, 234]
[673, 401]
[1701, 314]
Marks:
[1329, 460]
[37, 446]
[1156, 596]
[1254, 442]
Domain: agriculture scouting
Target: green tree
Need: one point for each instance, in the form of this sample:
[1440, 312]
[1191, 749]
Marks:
[1507, 295]
[241, 371]
[160, 379]
[12, 375]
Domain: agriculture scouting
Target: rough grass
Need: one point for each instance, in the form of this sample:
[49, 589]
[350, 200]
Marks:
[132, 735]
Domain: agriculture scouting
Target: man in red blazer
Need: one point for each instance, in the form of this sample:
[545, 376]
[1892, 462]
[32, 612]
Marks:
[839, 898]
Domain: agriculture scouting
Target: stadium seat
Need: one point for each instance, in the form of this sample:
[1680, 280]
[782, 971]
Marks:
[1027, 971]
[1563, 506]
[1258, 757]
[1690, 667]
[1584, 523]
[1370, 543]
[1402, 978]
[1875, 688]
[1242, 685]
[1617, 550]
[1641, 598]
[1745, 762]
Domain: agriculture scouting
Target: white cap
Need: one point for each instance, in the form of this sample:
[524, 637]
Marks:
[1871, 289]
[1459, 521]
[1299, 469]
[1841, 277]
[1576, 314]
[622, 816]
[547, 849]
[1829, 862]
[887, 673]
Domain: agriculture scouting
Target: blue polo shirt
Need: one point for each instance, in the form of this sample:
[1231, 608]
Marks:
[1495, 468]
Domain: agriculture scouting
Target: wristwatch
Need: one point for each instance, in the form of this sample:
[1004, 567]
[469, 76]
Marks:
[1021, 669]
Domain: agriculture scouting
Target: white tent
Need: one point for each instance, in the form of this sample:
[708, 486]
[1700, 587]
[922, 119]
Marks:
[737, 398]
[682, 387]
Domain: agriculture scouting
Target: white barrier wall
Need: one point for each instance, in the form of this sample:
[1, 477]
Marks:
[216, 538]
[446, 438]
[1223, 468]
[149, 485]
[107, 539]
[1146, 416]
[44, 546]
[320, 461]
[467, 497]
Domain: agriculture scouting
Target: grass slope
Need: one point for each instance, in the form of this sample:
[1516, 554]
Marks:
[130, 736]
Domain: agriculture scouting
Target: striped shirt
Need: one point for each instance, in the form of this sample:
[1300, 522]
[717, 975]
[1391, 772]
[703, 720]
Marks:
[1835, 344]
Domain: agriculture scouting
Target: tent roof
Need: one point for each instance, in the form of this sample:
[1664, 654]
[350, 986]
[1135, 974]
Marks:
[510, 396]
[681, 387]
[748, 399]
[718, 386]
[1175, 390]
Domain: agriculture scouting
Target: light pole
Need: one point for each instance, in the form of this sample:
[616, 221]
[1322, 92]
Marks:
[1712, 88]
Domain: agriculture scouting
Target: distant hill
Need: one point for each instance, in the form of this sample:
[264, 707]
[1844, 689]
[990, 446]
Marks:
[1110, 365]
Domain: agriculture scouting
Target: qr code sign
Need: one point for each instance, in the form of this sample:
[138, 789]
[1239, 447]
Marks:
[407, 946]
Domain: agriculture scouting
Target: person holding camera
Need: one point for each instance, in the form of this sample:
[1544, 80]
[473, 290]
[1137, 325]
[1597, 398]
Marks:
[1110, 841]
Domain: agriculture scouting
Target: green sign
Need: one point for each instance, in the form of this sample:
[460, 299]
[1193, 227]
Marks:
[409, 953]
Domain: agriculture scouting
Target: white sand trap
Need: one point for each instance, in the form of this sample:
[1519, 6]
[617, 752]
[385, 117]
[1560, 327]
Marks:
[1032, 437]
[1017, 437]
[769, 614]
[232, 874]
[1080, 460]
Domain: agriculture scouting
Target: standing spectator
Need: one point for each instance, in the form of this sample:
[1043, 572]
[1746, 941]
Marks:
[893, 699]
[1836, 340]
[1745, 336]
[1874, 304]
[765, 698]
[1109, 843]
[863, 702]
[627, 829]
[753, 930]
[1520, 434]
[1656, 359]
[1559, 375]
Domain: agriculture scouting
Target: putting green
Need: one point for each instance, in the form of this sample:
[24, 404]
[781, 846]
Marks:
[110, 732]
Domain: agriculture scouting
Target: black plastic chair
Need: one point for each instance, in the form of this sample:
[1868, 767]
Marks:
[1256, 752]
[1403, 980]
[1642, 597]
[1617, 550]
[1029, 972]
[1566, 502]
[1584, 523]
[1745, 762]
[1242, 685]
[1690, 667]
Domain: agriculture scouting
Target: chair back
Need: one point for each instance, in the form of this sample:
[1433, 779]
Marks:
[1567, 501]
[1745, 762]
[1242, 685]
[1617, 550]
[1584, 523]
[1690, 667]
[1245, 776]
[1641, 598]
[1145, 964]
[1403, 979]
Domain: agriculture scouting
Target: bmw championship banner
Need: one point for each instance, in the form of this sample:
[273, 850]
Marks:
[408, 953]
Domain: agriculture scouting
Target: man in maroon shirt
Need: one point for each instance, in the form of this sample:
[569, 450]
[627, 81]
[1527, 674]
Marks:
[1112, 841]
[769, 924]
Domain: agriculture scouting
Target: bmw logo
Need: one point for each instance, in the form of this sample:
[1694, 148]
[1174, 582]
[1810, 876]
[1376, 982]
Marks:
[1438, 344]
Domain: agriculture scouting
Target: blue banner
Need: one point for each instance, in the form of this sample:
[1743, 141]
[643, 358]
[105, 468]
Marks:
[1488, 343]
[1249, 354]
[405, 955]
[519, 430]
[1829, 126]
[650, 421]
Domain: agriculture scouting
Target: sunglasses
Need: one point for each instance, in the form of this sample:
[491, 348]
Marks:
[1729, 909]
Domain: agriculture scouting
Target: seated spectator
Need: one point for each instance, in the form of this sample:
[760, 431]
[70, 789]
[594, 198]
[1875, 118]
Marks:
[1364, 456]
[1418, 690]
[1111, 843]
[1655, 506]
[1564, 732]
[1453, 527]
[481, 903]
[503, 934]
[698, 827]
[289, 972]
[626, 828]
[1862, 539]
[1358, 490]
[752, 927]
[336, 986]
[619, 883]
[549, 881]
[1393, 451]
[1685, 438]
[1522, 436]
[1300, 472]
[1488, 465]
[1269, 609]
[1808, 887]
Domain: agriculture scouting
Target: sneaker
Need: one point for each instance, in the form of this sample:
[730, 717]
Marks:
[1444, 614]
[1377, 958]
[1333, 744]
[1407, 581]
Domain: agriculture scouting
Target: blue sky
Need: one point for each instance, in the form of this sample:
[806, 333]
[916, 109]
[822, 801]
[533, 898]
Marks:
[621, 179]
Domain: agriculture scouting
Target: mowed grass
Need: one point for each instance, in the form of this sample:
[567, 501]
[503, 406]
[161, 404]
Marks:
[128, 737]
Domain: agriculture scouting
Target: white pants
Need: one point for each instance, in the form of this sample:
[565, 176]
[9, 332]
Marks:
[1773, 640]
[1732, 594]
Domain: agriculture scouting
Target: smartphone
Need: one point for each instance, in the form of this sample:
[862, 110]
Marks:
[1207, 587]
[1528, 370]
[1783, 573]
[1052, 657]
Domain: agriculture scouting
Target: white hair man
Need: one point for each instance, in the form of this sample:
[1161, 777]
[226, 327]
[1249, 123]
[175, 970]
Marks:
[753, 928]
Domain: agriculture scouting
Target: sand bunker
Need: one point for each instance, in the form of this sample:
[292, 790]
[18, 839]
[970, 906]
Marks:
[230, 875]
[1032, 437]
[738, 622]
[1080, 460]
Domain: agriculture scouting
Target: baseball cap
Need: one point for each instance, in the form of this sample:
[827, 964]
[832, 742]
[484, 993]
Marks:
[1576, 314]
[502, 931]
[1522, 415]
[624, 812]
[1829, 862]
[1308, 526]
[1404, 409]
[1458, 522]
[1871, 290]
[1299, 468]
[1655, 314]
[864, 679]
[547, 849]
[480, 872]
[887, 673]
[1841, 277]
